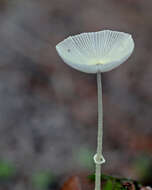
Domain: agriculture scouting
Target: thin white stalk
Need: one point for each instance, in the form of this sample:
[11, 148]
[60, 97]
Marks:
[98, 157]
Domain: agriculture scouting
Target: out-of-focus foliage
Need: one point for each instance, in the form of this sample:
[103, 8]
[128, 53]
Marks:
[85, 158]
[108, 185]
[143, 167]
[43, 180]
[115, 183]
[7, 170]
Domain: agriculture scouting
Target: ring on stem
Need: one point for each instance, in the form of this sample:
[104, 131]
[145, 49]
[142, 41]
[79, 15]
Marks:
[100, 161]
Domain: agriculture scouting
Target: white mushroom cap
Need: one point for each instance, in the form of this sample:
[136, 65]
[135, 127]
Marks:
[96, 51]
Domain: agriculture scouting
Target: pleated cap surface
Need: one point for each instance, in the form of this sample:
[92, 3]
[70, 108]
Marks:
[96, 51]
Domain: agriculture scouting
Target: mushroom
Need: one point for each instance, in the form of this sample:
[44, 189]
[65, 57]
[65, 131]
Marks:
[96, 52]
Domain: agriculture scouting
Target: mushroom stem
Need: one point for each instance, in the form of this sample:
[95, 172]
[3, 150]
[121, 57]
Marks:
[98, 158]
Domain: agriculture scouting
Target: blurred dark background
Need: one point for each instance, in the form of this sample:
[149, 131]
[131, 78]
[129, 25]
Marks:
[48, 111]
